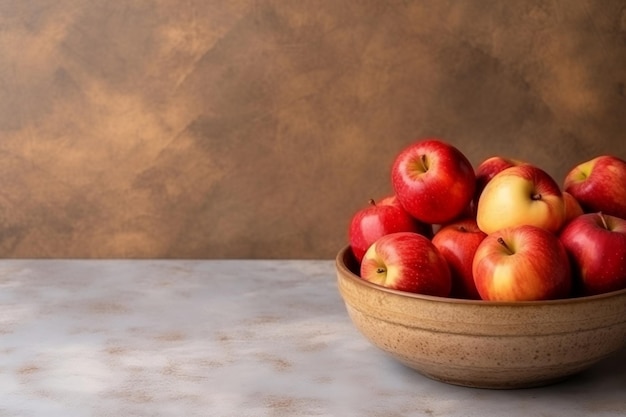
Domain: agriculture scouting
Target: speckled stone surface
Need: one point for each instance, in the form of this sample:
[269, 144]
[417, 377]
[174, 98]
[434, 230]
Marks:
[226, 338]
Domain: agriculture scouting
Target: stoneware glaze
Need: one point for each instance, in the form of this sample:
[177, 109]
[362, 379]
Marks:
[484, 344]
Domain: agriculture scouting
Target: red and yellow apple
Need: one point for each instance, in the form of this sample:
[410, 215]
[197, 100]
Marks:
[599, 184]
[409, 262]
[376, 220]
[522, 263]
[596, 243]
[433, 181]
[457, 242]
[521, 195]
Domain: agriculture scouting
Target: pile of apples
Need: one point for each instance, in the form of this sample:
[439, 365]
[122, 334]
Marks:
[506, 231]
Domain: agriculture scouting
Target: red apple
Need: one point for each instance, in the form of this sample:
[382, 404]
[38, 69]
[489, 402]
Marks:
[458, 242]
[599, 185]
[433, 181]
[488, 169]
[522, 263]
[407, 261]
[596, 244]
[572, 208]
[523, 194]
[372, 222]
[422, 228]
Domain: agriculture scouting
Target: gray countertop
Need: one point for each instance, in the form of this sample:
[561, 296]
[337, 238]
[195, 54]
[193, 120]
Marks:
[227, 338]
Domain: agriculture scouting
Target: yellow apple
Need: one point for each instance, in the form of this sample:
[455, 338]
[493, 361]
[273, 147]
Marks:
[521, 195]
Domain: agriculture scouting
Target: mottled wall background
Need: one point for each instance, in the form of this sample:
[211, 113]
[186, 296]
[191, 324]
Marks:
[236, 129]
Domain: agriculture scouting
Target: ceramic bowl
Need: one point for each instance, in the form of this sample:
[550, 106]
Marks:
[499, 345]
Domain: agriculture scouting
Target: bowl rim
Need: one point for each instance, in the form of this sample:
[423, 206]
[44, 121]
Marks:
[343, 268]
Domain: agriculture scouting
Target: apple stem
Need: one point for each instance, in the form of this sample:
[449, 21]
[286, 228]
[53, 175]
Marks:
[372, 202]
[536, 196]
[462, 229]
[604, 223]
[380, 270]
[503, 243]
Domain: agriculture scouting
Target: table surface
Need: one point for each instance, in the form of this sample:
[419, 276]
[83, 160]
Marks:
[227, 338]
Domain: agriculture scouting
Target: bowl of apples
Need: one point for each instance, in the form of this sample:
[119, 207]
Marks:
[492, 278]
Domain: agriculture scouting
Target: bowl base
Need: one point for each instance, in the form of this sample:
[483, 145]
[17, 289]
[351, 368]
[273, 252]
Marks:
[488, 383]
[496, 386]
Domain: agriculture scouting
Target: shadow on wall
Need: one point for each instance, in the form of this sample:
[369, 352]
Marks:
[254, 129]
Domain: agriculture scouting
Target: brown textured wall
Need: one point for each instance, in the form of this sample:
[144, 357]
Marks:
[207, 129]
